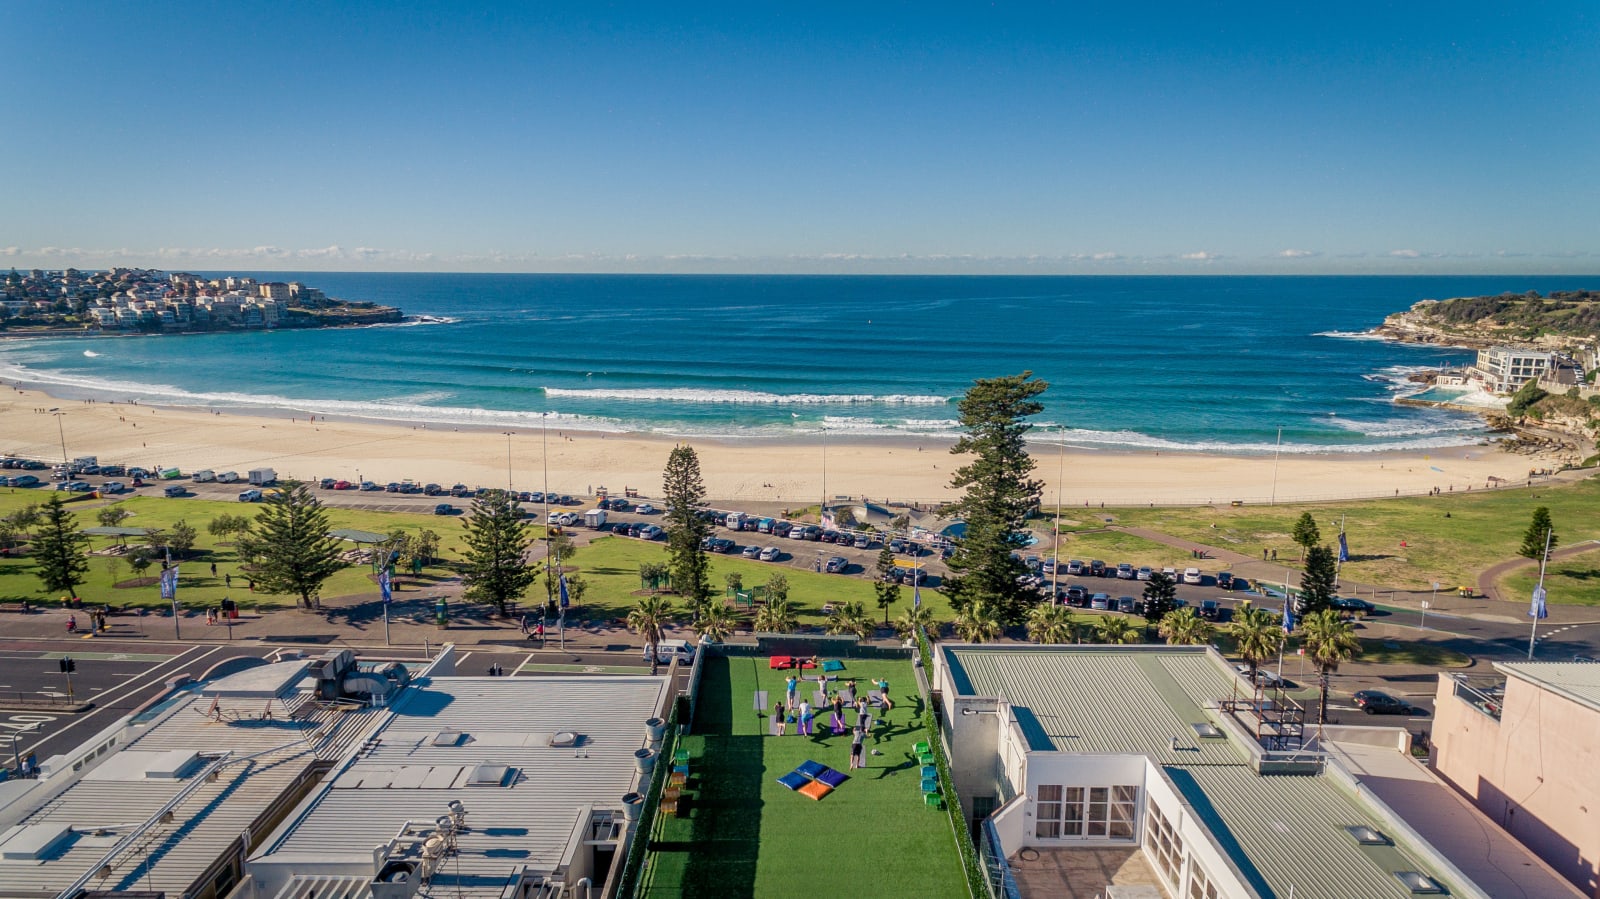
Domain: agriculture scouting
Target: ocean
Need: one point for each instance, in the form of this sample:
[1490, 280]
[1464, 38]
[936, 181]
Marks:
[1206, 364]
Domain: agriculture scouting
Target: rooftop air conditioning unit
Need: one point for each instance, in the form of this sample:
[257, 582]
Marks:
[397, 880]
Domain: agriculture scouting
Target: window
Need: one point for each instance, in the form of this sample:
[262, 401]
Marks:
[1200, 886]
[1163, 844]
[1047, 811]
[1096, 813]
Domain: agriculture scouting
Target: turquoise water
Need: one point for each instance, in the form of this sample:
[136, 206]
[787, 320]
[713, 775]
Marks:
[1177, 363]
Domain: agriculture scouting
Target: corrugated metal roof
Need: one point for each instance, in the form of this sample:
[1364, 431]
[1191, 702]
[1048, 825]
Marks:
[172, 856]
[1287, 833]
[1578, 681]
[1096, 700]
[404, 774]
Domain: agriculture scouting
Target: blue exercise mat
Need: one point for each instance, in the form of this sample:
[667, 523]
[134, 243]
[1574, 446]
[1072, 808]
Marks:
[794, 780]
[811, 769]
[832, 778]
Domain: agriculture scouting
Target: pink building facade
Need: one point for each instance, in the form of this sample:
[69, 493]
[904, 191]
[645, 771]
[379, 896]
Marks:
[1525, 747]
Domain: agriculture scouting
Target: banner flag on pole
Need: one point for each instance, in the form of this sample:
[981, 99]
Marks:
[1288, 614]
[1344, 549]
[169, 583]
[565, 600]
[1538, 609]
[384, 587]
[916, 596]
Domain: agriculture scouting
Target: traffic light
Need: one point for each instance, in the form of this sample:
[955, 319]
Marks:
[68, 665]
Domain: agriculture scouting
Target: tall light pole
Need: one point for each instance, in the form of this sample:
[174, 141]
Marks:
[823, 509]
[56, 411]
[509, 435]
[1061, 472]
[1275, 454]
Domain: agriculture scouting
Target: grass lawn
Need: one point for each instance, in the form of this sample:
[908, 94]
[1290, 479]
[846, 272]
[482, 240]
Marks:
[741, 833]
[1411, 652]
[1574, 579]
[197, 589]
[610, 565]
[1481, 530]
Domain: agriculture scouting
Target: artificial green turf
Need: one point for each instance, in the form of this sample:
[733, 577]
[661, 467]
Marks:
[741, 833]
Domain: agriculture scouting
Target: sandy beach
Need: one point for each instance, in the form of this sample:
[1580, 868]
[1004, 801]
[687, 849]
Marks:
[790, 473]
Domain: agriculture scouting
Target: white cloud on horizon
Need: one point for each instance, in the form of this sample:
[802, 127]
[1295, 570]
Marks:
[1299, 254]
[1405, 254]
[1200, 256]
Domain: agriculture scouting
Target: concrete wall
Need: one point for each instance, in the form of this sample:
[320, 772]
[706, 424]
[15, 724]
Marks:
[1533, 772]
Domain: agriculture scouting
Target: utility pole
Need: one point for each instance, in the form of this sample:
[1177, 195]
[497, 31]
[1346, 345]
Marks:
[1538, 610]
[56, 411]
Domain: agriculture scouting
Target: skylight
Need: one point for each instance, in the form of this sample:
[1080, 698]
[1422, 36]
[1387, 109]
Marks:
[1366, 836]
[1206, 729]
[1417, 882]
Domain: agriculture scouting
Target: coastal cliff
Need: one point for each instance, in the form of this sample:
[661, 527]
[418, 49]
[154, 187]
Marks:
[1561, 321]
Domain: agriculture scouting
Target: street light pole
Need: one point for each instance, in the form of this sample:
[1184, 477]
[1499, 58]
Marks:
[1275, 455]
[56, 411]
[1061, 473]
[509, 435]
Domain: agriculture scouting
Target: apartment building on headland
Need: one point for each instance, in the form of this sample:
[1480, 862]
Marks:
[1524, 745]
[1158, 771]
[154, 301]
[1505, 369]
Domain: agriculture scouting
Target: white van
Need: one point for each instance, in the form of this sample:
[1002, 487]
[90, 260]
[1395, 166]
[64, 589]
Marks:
[228, 477]
[204, 476]
[668, 650]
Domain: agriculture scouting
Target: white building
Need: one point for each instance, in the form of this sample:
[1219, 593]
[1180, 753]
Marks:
[1149, 761]
[474, 788]
[1505, 369]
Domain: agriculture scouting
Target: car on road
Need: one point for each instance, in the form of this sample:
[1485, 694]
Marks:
[1240, 583]
[250, 496]
[750, 552]
[1191, 576]
[1353, 606]
[836, 565]
[770, 554]
[1225, 580]
[1100, 602]
[1210, 609]
[444, 509]
[1375, 702]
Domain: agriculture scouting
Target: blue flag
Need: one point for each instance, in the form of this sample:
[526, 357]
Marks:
[1344, 550]
[1288, 614]
[916, 596]
[384, 588]
[1538, 609]
[565, 601]
[169, 583]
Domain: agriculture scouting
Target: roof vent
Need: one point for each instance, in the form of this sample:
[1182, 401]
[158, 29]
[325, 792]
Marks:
[448, 738]
[1366, 836]
[489, 776]
[1417, 882]
[563, 739]
[1206, 729]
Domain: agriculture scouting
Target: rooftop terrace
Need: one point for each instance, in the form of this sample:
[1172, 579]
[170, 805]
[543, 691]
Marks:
[741, 833]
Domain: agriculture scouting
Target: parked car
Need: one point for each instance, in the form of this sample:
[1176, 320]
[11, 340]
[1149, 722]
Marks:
[722, 545]
[1127, 605]
[432, 490]
[652, 532]
[1143, 574]
[1075, 567]
[1100, 602]
[444, 509]
[1210, 609]
[844, 540]
[392, 487]
[24, 480]
[1225, 580]
[1077, 595]
[341, 485]
[836, 565]
[80, 487]
[1374, 702]
[250, 496]
[327, 483]
[645, 509]
[862, 541]
[1240, 583]
[1191, 576]
[1171, 573]
[1048, 567]
[770, 554]
[114, 471]
[1263, 677]
[1125, 571]
[1097, 568]
[752, 551]
[113, 487]
[176, 490]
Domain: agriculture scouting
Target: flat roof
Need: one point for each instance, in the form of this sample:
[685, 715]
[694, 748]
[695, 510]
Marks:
[1284, 832]
[485, 741]
[1102, 698]
[48, 833]
[1577, 681]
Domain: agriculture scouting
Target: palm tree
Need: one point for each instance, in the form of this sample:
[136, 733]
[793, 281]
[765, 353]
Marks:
[850, 618]
[1329, 640]
[716, 623]
[912, 620]
[650, 617]
[1050, 624]
[1116, 629]
[1182, 627]
[1258, 635]
[776, 617]
[977, 623]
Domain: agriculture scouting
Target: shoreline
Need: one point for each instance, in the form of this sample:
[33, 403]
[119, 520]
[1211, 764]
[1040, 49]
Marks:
[793, 471]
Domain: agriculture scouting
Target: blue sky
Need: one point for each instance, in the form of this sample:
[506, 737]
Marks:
[1102, 138]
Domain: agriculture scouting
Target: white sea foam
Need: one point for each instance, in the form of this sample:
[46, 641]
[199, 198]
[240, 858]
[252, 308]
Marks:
[91, 354]
[1399, 427]
[1354, 335]
[747, 397]
[1135, 440]
[412, 321]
